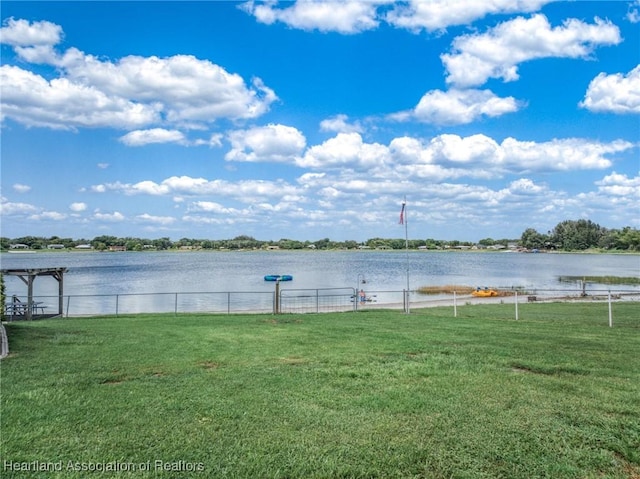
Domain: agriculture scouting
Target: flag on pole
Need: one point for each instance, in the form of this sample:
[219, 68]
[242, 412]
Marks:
[402, 215]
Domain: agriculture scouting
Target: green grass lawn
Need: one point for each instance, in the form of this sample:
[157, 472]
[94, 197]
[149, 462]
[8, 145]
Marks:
[370, 394]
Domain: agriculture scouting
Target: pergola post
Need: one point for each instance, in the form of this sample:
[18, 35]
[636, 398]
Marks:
[29, 282]
[59, 276]
[29, 311]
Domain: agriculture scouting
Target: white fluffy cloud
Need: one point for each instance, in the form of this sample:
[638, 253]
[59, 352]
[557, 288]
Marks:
[474, 149]
[620, 185]
[615, 93]
[182, 86]
[10, 208]
[157, 220]
[154, 135]
[208, 207]
[496, 54]
[20, 188]
[116, 216]
[276, 143]
[48, 215]
[22, 33]
[569, 154]
[457, 107]
[340, 124]
[32, 100]
[326, 16]
[345, 149]
[131, 93]
[78, 207]
[439, 14]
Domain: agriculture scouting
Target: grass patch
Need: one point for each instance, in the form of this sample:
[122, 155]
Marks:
[367, 394]
[619, 280]
[446, 289]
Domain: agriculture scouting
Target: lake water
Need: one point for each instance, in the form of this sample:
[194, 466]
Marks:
[110, 273]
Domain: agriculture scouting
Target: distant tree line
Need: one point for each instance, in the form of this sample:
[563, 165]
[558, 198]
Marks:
[243, 242]
[581, 235]
[566, 236]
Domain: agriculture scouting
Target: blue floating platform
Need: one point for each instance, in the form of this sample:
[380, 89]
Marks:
[277, 277]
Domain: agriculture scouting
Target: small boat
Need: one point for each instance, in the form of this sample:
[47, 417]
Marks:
[484, 293]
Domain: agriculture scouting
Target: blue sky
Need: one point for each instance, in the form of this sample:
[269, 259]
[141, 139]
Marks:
[314, 119]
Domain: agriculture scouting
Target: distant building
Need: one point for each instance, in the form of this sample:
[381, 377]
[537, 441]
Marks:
[18, 246]
[84, 246]
[55, 246]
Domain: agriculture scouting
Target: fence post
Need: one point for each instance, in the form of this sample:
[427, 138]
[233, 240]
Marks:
[516, 305]
[175, 305]
[610, 315]
[408, 309]
[355, 299]
[117, 301]
[455, 306]
[68, 304]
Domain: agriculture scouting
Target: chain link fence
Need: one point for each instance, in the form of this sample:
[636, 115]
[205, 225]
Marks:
[284, 301]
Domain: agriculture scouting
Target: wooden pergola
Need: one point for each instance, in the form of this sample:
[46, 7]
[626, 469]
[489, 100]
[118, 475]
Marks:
[28, 277]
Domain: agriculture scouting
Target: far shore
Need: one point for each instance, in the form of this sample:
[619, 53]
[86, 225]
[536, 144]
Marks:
[312, 251]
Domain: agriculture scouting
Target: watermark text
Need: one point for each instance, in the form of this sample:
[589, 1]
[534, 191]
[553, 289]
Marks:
[155, 465]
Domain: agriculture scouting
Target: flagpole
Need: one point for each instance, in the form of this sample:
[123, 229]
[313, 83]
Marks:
[406, 249]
